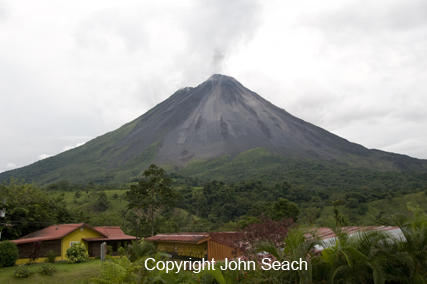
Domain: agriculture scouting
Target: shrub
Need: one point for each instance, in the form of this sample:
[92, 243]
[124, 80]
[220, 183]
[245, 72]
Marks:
[121, 251]
[120, 271]
[22, 272]
[76, 253]
[109, 250]
[50, 256]
[46, 269]
[8, 253]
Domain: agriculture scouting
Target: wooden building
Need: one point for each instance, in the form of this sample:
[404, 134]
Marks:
[59, 238]
[196, 246]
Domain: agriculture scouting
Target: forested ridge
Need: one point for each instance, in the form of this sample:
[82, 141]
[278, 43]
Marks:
[308, 193]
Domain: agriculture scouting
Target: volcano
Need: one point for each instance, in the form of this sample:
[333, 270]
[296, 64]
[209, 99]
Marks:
[220, 117]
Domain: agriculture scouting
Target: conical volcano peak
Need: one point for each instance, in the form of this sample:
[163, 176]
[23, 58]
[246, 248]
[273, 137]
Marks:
[217, 77]
[219, 118]
[225, 87]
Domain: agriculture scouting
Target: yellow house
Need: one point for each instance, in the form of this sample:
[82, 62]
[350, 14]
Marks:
[59, 238]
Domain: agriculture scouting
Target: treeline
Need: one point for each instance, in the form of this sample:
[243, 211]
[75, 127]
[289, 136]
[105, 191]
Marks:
[301, 193]
[29, 208]
[220, 202]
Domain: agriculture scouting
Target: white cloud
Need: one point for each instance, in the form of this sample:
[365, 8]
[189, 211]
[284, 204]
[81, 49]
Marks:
[43, 156]
[11, 165]
[66, 148]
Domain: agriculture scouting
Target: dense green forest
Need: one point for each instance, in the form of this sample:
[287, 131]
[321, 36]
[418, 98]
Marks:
[310, 193]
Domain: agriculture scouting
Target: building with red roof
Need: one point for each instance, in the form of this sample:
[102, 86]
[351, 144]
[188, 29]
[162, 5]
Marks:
[59, 238]
[196, 246]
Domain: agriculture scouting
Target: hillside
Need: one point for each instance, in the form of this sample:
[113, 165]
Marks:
[219, 128]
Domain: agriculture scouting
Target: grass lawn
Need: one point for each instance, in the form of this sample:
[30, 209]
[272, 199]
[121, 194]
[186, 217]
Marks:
[64, 273]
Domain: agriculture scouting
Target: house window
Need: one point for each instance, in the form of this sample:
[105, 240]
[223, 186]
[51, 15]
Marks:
[71, 243]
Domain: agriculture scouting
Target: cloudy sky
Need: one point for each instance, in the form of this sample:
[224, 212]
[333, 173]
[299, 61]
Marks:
[73, 70]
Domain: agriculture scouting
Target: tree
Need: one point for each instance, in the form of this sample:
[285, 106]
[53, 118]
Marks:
[340, 219]
[266, 230]
[102, 202]
[283, 209]
[151, 195]
[28, 209]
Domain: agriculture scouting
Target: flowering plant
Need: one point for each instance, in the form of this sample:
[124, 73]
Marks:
[76, 253]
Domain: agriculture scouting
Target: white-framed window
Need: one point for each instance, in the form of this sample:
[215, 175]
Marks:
[71, 243]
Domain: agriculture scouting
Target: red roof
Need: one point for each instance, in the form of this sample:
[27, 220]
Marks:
[110, 233]
[195, 238]
[226, 238]
[56, 232]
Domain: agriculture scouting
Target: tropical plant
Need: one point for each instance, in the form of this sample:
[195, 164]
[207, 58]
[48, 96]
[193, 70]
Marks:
[51, 256]
[46, 269]
[140, 250]
[413, 246]
[76, 253]
[299, 245]
[152, 194]
[22, 272]
[121, 251]
[9, 253]
[360, 258]
[117, 271]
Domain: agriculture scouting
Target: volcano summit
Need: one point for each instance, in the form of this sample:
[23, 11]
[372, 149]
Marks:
[220, 117]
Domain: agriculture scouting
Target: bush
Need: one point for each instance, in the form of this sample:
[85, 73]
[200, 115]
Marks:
[46, 269]
[76, 253]
[51, 256]
[109, 250]
[121, 251]
[8, 253]
[22, 272]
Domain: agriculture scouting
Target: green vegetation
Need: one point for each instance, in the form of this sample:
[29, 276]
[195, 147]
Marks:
[151, 195]
[22, 272]
[29, 209]
[307, 193]
[76, 253]
[364, 257]
[61, 273]
[46, 269]
[8, 253]
[51, 256]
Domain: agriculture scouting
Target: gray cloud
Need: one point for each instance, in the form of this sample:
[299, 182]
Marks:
[3, 11]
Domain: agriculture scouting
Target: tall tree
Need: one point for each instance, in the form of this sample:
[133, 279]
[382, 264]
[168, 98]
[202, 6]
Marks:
[283, 209]
[151, 195]
[29, 209]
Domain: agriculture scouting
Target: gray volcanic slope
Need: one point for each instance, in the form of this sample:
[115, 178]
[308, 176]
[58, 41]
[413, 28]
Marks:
[219, 117]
